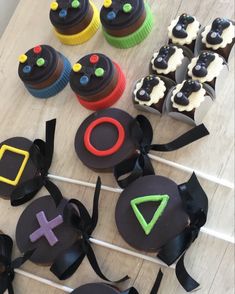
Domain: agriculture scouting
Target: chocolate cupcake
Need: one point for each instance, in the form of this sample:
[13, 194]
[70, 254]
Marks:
[75, 22]
[189, 101]
[99, 288]
[97, 81]
[169, 62]
[150, 92]
[44, 71]
[183, 32]
[126, 23]
[103, 139]
[218, 37]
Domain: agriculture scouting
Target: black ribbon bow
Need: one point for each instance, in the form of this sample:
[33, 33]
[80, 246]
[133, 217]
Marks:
[7, 266]
[77, 215]
[41, 154]
[140, 164]
[196, 205]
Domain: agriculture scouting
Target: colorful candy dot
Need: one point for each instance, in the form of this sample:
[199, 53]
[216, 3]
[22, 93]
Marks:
[75, 4]
[27, 69]
[107, 3]
[23, 58]
[77, 67]
[37, 49]
[99, 72]
[54, 6]
[111, 15]
[63, 13]
[94, 59]
[40, 62]
[127, 8]
[84, 80]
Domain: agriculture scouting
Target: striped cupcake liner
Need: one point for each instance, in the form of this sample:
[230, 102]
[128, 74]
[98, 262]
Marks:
[134, 38]
[55, 88]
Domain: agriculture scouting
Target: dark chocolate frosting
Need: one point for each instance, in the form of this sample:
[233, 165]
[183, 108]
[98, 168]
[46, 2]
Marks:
[30, 72]
[188, 88]
[214, 36]
[149, 83]
[87, 82]
[165, 53]
[172, 221]
[204, 60]
[180, 29]
[96, 288]
[114, 17]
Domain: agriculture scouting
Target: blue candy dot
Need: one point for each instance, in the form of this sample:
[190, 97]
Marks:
[27, 69]
[111, 15]
[84, 80]
[63, 13]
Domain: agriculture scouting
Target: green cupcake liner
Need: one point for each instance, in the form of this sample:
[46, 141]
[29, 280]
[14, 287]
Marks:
[134, 38]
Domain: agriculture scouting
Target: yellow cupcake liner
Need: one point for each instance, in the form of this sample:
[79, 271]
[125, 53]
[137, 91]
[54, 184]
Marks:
[84, 35]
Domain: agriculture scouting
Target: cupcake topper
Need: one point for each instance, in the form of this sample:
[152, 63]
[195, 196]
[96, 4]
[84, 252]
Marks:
[189, 87]
[204, 60]
[214, 36]
[179, 31]
[165, 53]
[62, 6]
[117, 7]
[149, 83]
[142, 134]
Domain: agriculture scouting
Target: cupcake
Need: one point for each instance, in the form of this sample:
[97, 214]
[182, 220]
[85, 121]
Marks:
[218, 37]
[97, 81]
[150, 92]
[44, 71]
[189, 101]
[75, 22]
[183, 32]
[126, 23]
[100, 288]
[169, 62]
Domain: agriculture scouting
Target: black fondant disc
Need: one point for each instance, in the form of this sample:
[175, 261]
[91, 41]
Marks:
[96, 288]
[104, 137]
[172, 221]
[44, 254]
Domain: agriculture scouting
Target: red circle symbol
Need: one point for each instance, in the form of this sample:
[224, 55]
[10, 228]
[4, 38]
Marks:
[115, 147]
[37, 49]
[94, 59]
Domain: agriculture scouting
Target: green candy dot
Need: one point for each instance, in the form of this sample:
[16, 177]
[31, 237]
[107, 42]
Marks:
[127, 7]
[99, 72]
[75, 4]
[40, 62]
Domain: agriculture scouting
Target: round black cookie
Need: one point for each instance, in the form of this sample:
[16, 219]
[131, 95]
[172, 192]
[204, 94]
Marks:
[44, 254]
[10, 163]
[96, 288]
[172, 221]
[38, 74]
[104, 137]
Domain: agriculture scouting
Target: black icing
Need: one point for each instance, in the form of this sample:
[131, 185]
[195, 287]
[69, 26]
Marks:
[179, 30]
[165, 53]
[149, 83]
[204, 60]
[214, 36]
[188, 88]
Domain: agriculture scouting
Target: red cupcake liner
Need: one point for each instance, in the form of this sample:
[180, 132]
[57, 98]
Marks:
[109, 100]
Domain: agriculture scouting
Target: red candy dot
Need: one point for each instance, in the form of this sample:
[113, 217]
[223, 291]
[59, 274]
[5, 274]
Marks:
[37, 49]
[94, 59]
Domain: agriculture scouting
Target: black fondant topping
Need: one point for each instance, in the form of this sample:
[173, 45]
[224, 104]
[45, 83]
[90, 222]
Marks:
[188, 88]
[149, 83]
[214, 36]
[204, 60]
[179, 31]
[165, 53]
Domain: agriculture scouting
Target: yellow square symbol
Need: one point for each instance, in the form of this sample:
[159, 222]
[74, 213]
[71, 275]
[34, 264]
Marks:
[5, 148]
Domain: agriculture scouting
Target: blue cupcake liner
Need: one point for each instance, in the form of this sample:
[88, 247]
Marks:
[55, 88]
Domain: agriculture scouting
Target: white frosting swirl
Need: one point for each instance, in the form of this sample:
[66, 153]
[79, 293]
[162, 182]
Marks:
[174, 61]
[195, 99]
[227, 36]
[157, 93]
[213, 70]
[192, 31]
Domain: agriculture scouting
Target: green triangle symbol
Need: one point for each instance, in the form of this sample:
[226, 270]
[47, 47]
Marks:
[147, 227]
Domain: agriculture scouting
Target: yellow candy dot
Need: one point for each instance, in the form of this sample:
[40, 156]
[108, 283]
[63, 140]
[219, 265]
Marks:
[77, 67]
[107, 3]
[54, 5]
[23, 58]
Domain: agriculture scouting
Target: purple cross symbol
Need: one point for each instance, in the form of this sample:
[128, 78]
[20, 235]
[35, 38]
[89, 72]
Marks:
[46, 228]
